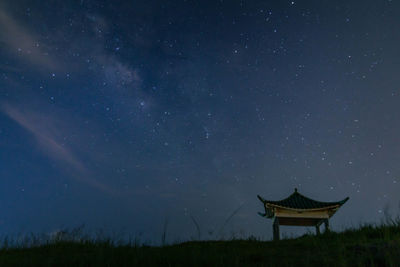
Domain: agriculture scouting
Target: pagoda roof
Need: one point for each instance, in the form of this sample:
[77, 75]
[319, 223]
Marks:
[298, 201]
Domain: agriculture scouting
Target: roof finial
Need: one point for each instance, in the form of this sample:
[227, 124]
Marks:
[295, 189]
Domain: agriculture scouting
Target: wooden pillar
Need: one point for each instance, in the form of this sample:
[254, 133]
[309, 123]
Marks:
[275, 228]
[317, 226]
[326, 222]
[317, 229]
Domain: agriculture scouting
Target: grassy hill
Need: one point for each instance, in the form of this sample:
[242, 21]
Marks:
[368, 245]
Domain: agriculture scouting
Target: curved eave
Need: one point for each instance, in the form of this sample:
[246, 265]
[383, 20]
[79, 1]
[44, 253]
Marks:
[261, 199]
[329, 206]
[263, 214]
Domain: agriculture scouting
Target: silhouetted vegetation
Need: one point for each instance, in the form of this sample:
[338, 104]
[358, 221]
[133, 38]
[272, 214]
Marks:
[368, 245]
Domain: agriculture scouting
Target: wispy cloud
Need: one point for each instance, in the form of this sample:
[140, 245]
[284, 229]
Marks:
[20, 40]
[49, 135]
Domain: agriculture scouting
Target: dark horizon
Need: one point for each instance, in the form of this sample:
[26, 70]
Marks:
[121, 115]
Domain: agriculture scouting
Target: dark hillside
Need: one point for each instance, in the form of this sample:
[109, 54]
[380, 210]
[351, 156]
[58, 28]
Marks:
[367, 246]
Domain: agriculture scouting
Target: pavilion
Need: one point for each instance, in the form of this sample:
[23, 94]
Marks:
[299, 210]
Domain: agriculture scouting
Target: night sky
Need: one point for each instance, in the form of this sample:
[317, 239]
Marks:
[122, 115]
